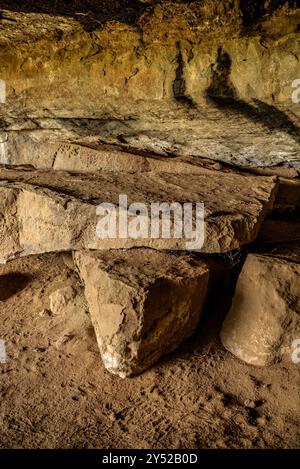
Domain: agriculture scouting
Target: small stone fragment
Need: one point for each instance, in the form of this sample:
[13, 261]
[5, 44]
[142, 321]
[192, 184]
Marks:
[250, 404]
[60, 299]
[261, 421]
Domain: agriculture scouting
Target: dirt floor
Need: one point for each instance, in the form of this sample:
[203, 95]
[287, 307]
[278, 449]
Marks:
[55, 392]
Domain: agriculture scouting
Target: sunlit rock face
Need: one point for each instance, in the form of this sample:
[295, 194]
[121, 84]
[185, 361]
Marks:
[199, 79]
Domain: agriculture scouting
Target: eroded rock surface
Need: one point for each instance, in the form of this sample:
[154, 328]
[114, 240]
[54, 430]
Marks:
[268, 139]
[201, 78]
[61, 298]
[280, 237]
[143, 304]
[264, 321]
[56, 211]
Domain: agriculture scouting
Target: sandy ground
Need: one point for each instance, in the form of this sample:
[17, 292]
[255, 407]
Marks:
[55, 392]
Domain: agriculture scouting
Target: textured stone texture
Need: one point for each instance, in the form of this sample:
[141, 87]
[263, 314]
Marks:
[56, 211]
[133, 97]
[278, 231]
[143, 304]
[264, 318]
[259, 136]
[9, 224]
[61, 298]
[158, 59]
[201, 78]
[49, 154]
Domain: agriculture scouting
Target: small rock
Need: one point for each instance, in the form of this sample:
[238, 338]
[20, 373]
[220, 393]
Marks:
[60, 299]
[261, 421]
[113, 417]
[250, 404]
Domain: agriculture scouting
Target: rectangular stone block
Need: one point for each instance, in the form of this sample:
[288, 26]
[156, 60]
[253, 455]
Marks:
[143, 303]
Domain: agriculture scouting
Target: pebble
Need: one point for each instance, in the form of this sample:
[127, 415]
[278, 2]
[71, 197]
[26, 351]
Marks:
[261, 421]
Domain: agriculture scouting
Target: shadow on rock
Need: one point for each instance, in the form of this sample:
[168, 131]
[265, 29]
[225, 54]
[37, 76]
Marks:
[12, 283]
[222, 94]
[91, 14]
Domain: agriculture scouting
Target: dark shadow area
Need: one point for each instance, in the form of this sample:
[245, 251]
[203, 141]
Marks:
[179, 84]
[225, 270]
[91, 14]
[279, 236]
[10, 284]
[222, 94]
[254, 10]
[81, 126]
[268, 115]
[221, 85]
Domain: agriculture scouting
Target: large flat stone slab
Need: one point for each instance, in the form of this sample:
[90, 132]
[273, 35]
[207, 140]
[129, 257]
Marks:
[46, 153]
[221, 134]
[143, 303]
[56, 211]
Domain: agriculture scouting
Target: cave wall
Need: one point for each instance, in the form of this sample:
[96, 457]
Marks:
[191, 49]
[108, 69]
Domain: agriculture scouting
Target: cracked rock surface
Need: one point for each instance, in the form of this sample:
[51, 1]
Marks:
[57, 211]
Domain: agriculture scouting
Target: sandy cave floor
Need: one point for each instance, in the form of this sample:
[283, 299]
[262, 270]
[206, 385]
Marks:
[55, 392]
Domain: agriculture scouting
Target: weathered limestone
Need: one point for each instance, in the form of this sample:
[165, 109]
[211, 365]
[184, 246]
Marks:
[47, 153]
[23, 150]
[57, 211]
[170, 104]
[179, 78]
[280, 238]
[264, 318]
[156, 61]
[143, 303]
[50, 154]
[225, 135]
